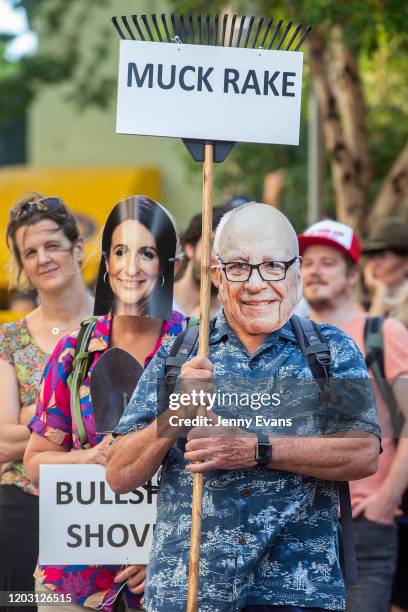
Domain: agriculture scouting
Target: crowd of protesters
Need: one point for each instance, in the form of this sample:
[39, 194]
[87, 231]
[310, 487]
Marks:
[359, 287]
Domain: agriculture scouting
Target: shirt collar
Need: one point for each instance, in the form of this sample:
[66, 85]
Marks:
[221, 329]
[286, 332]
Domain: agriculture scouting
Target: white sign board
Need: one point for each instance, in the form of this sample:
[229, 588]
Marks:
[212, 93]
[83, 522]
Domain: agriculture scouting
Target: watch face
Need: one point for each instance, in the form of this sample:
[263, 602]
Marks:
[263, 453]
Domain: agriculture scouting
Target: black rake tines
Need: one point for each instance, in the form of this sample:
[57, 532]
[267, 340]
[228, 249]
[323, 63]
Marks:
[243, 31]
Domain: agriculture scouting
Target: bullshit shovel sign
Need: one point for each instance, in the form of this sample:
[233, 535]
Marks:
[211, 81]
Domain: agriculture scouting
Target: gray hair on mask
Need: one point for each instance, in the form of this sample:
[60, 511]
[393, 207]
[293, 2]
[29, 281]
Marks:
[229, 215]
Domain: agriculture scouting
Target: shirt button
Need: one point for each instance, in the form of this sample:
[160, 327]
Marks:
[242, 540]
[245, 492]
[251, 365]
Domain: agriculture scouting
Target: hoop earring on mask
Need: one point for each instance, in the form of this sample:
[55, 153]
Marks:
[105, 275]
[162, 280]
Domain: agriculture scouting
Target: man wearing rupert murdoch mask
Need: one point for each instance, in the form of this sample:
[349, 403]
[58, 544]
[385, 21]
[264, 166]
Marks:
[271, 449]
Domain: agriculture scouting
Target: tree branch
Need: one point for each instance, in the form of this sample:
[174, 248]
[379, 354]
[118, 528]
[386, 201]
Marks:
[393, 195]
[352, 107]
[350, 195]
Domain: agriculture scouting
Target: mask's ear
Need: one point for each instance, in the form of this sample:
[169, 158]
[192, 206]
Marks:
[299, 283]
[215, 272]
[189, 251]
[177, 265]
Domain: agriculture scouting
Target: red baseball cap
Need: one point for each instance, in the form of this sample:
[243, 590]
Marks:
[334, 234]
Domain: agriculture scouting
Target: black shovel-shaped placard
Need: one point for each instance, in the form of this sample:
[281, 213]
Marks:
[113, 381]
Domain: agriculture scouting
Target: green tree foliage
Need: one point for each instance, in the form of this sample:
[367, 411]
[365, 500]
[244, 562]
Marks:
[376, 32]
[62, 28]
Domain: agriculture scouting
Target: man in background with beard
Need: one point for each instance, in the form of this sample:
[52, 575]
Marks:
[331, 253]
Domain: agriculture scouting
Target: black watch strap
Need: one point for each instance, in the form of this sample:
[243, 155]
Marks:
[263, 451]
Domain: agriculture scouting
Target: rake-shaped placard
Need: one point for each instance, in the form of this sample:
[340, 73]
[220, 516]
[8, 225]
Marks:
[211, 80]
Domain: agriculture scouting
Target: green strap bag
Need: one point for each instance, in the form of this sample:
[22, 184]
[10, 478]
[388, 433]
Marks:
[80, 366]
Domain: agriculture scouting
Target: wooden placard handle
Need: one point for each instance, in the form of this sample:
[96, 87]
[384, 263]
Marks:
[205, 294]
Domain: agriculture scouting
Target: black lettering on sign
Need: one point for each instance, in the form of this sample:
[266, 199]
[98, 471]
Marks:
[125, 536]
[151, 490]
[102, 493]
[98, 535]
[203, 79]
[134, 73]
[91, 497]
[182, 81]
[269, 83]
[117, 535]
[64, 495]
[160, 81]
[286, 83]
[139, 496]
[231, 77]
[119, 501]
[140, 541]
[76, 536]
[251, 82]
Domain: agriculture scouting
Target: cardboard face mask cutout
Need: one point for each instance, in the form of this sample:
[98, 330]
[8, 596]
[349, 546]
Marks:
[137, 266]
[256, 234]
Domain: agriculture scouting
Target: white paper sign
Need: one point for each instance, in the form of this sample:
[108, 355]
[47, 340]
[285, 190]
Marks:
[213, 93]
[83, 522]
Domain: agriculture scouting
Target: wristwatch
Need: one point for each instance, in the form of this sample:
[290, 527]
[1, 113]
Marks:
[263, 451]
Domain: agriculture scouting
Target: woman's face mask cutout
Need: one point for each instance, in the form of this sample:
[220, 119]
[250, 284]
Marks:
[139, 245]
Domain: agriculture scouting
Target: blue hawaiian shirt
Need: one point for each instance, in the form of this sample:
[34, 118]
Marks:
[268, 537]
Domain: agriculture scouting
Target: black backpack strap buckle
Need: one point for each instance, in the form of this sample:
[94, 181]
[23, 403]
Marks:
[181, 350]
[317, 353]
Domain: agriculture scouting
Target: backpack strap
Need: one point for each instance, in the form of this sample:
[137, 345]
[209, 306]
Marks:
[180, 351]
[192, 321]
[374, 348]
[80, 366]
[348, 545]
[317, 353]
[374, 345]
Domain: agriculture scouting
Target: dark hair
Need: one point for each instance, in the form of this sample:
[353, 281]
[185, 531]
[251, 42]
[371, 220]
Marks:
[29, 209]
[194, 230]
[154, 218]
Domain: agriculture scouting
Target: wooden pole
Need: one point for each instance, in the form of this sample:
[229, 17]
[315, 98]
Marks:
[205, 294]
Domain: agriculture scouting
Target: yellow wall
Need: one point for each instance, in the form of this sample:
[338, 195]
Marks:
[7, 317]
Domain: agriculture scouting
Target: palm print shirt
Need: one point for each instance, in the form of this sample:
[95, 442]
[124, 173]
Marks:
[90, 586]
[268, 537]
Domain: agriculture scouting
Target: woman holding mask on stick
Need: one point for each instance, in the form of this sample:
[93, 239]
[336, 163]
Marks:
[134, 307]
[47, 252]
